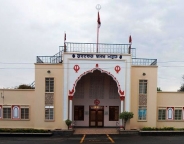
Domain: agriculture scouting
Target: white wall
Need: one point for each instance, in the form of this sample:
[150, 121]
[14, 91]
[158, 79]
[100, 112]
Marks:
[89, 64]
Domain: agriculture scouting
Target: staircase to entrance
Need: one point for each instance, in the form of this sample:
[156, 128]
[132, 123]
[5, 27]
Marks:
[96, 131]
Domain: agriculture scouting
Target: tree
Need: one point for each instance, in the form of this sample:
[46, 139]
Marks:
[68, 122]
[126, 116]
[24, 86]
[159, 89]
[182, 86]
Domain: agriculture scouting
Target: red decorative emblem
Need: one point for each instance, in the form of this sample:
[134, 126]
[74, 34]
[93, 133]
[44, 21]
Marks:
[96, 102]
[117, 69]
[96, 65]
[71, 91]
[121, 92]
[70, 97]
[76, 68]
[122, 98]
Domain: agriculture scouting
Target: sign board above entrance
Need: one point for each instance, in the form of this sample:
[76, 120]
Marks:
[97, 56]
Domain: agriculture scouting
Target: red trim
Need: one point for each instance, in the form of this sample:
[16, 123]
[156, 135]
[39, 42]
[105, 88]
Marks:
[71, 92]
[70, 97]
[122, 98]
[121, 93]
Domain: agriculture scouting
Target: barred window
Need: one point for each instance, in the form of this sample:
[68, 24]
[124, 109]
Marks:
[24, 113]
[177, 114]
[49, 112]
[49, 84]
[161, 114]
[142, 86]
[78, 112]
[7, 113]
[113, 113]
[142, 112]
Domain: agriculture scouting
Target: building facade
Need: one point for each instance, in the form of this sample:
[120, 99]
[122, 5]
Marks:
[91, 89]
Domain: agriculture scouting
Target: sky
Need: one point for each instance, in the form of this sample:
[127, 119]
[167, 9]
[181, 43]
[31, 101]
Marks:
[30, 28]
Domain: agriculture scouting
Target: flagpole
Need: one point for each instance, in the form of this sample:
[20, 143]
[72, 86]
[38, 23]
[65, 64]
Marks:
[97, 35]
[64, 42]
[98, 7]
[130, 42]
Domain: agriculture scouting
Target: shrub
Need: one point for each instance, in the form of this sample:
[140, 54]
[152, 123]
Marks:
[126, 116]
[68, 122]
[157, 129]
[23, 130]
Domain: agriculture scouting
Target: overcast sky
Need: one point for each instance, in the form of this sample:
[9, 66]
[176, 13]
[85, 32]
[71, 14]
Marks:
[30, 28]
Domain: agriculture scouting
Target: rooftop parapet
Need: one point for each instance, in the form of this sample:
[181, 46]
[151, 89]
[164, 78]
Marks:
[102, 48]
[90, 48]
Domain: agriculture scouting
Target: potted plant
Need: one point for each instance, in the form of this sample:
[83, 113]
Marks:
[126, 116]
[68, 123]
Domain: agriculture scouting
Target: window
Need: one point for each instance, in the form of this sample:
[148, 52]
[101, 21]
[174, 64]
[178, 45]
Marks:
[113, 113]
[142, 86]
[7, 113]
[177, 114]
[15, 112]
[78, 112]
[49, 112]
[142, 113]
[142, 109]
[161, 114]
[170, 113]
[49, 84]
[24, 113]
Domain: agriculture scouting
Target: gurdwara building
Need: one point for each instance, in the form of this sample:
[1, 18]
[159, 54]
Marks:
[91, 85]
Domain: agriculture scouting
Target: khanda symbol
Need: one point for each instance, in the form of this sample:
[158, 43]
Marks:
[117, 69]
[76, 68]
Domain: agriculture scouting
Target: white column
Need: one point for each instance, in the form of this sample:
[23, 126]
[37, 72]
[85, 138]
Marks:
[70, 108]
[70, 116]
[121, 109]
[122, 106]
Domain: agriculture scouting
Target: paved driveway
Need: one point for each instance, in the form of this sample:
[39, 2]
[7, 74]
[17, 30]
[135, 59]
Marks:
[94, 139]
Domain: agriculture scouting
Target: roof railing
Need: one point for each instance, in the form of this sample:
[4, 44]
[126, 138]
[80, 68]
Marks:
[92, 48]
[143, 61]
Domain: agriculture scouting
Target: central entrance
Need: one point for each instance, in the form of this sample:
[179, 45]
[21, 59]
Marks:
[96, 116]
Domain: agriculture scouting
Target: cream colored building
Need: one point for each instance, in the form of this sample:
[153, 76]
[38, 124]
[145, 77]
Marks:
[92, 89]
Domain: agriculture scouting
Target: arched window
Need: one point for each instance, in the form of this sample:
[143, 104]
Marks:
[170, 113]
[15, 112]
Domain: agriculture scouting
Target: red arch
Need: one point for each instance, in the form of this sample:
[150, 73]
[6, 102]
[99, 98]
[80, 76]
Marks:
[121, 93]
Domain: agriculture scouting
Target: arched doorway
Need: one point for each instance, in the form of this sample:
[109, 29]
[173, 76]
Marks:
[96, 102]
